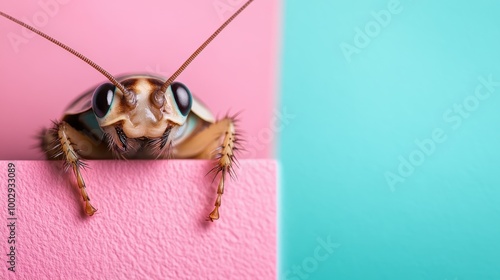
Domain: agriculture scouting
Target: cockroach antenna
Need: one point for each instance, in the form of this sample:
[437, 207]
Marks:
[129, 97]
[200, 49]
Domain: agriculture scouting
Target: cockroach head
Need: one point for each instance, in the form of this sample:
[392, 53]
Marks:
[154, 110]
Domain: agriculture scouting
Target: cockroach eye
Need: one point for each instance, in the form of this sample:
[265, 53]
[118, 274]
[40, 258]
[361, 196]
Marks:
[182, 97]
[102, 99]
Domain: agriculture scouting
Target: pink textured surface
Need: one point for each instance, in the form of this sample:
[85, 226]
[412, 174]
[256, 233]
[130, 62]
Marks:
[150, 223]
[237, 72]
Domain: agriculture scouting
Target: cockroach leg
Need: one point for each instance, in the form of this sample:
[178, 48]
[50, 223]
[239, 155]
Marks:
[63, 147]
[215, 142]
[225, 158]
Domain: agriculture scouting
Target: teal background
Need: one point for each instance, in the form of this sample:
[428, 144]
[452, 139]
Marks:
[353, 120]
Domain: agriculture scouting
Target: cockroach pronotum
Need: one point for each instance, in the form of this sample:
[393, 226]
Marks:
[140, 117]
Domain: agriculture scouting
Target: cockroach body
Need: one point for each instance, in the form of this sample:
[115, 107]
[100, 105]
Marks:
[140, 117]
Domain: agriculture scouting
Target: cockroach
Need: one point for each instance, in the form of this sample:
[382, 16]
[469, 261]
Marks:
[140, 117]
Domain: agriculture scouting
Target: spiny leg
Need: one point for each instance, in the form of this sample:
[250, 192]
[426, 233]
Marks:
[221, 138]
[62, 147]
[89, 209]
[225, 159]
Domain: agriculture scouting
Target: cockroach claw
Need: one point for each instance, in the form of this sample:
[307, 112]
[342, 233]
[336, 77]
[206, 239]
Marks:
[214, 215]
[89, 209]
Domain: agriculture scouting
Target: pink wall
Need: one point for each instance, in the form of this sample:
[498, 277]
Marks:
[150, 224]
[238, 72]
